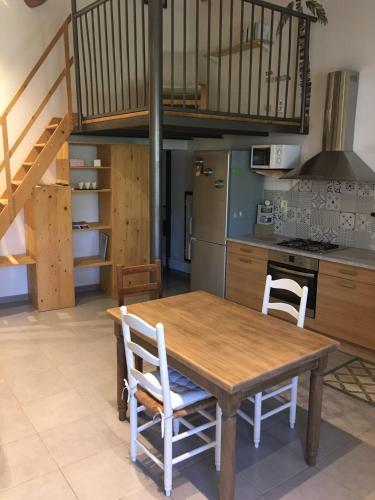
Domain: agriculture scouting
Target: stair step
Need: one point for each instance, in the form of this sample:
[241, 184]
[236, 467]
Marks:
[53, 126]
[16, 183]
[40, 145]
[27, 164]
[4, 201]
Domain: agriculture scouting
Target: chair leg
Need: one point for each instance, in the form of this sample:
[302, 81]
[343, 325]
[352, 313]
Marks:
[168, 434]
[293, 402]
[257, 418]
[176, 426]
[218, 437]
[133, 428]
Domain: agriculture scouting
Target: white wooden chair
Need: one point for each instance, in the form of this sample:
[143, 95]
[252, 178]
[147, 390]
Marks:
[165, 395]
[257, 400]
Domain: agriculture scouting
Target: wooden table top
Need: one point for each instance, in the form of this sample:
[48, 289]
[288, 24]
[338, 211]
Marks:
[229, 344]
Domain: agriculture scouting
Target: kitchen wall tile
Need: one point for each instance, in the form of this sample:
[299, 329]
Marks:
[348, 202]
[316, 233]
[366, 189]
[349, 187]
[291, 214]
[362, 239]
[318, 200]
[303, 215]
[279, 227]
[330, 218]
[363, 222]
[290, 229]
[347, 220]
[302, 199]
[305, 185]
[331, 234]
[317, 217]
[333, 201]
[365, 204]
[268, 194]
[334, 187]
[302, 230]
[319, 186]
[346, 237]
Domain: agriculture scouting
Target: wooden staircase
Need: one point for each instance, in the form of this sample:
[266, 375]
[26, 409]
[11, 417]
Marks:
[19, 184]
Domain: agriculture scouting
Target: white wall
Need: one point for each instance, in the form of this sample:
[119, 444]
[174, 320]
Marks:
[347, 42]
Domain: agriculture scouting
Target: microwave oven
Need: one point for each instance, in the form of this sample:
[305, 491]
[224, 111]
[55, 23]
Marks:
[277, 156]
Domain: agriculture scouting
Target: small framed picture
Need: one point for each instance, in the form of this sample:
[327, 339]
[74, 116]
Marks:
[164, 3]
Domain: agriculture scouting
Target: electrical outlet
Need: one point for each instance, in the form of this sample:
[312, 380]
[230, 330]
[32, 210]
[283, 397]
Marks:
[284, 205]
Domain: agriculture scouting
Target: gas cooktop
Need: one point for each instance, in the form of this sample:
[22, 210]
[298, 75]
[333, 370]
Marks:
[308, 245]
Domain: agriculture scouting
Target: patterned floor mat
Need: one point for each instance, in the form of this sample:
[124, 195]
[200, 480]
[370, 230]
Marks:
[356, 377]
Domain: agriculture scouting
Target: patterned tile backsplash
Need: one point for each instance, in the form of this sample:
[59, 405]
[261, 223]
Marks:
[338, 212]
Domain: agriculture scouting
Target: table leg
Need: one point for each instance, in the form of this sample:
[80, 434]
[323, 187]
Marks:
[228, 453]
[122, 394]
[315, 409]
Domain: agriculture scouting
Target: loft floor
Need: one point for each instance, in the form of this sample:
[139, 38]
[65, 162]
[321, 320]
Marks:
[186, 124]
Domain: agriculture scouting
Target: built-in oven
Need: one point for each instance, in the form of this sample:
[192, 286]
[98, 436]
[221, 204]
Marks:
[303, 270]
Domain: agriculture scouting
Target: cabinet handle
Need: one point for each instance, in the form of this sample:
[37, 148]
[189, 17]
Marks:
[348, 272]
[246, 261]
[346, 284]
[246, 250]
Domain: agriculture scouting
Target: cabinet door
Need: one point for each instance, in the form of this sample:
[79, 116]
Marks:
[345, 309]
[245, 281]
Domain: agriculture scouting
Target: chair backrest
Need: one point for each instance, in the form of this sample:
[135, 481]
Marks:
[130, 323]
[126, 273]
[293, 287]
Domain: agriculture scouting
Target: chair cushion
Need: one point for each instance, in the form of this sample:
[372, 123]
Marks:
[183, 391]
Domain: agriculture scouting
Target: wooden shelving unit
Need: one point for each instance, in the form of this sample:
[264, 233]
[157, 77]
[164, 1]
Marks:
[93, 226]
[16, 260]
[89, 168]
[92, 261]
[86, 191]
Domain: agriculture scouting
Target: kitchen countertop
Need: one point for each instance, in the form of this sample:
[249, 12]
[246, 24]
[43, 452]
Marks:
[349, 256]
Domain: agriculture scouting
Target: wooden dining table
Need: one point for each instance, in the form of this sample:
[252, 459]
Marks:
[232, 352]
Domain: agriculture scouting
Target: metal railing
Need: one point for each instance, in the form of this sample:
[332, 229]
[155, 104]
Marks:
[245, 59]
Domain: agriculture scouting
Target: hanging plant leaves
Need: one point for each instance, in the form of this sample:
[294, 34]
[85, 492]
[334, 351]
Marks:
[284, 17]
[317, 10]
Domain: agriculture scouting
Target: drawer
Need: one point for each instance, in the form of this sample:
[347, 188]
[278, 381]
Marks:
[347, 272]
[245, 280]
[249, 250]
[345, 310]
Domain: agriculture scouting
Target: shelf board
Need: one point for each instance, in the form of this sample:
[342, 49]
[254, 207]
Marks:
[16, 260]
[92, 261]
[93, 226]
[105, 190]
[226, 51]
[272, 172]
[90, 168]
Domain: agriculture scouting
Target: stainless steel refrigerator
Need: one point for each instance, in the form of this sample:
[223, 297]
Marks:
[225, 198]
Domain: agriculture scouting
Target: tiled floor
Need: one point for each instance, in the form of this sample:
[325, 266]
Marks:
[61, 440]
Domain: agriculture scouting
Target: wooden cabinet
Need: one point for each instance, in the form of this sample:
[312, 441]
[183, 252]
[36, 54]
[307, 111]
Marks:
[246, 275]
[345, 303]
[48, 239]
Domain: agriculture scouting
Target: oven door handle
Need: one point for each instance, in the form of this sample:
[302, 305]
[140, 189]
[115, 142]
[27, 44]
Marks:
[291, 271]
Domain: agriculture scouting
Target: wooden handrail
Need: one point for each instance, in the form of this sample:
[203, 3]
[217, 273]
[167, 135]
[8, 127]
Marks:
[8, 152]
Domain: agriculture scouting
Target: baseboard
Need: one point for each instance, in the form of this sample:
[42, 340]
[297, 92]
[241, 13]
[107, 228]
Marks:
[10, 299]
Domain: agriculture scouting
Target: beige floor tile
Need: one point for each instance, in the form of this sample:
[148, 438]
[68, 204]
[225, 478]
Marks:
[74, 441]
[38, 385]
[14, 424]
[110, 417]
[61, 408]
[52, 486]
[23, 460]
[355, 470]
[25, 364]
[371, 496]
[369, 437]
[105, 476]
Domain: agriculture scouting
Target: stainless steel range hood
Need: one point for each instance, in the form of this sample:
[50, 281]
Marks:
[337, 161]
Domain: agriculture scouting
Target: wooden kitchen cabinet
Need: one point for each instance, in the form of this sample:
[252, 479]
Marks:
[345, 305]
[245, 278]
